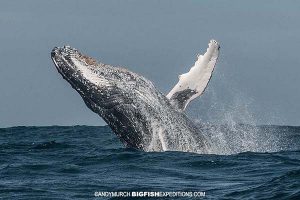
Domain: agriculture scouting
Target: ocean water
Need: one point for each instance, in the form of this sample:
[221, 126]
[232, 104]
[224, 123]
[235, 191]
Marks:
[74, 162]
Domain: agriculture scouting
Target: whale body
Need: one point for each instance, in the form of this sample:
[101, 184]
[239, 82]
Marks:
[140, 115]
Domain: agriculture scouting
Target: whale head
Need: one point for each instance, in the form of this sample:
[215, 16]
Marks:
[96, 81]
[84, 73]
[119, 96]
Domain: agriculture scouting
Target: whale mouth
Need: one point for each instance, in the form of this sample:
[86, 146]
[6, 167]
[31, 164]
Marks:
[94, 81]
[68, 53]
[76, 67]
[61, 57]
[69, 62]
[64, 57]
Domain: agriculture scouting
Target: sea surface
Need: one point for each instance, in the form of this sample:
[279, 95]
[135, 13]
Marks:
[74, 162]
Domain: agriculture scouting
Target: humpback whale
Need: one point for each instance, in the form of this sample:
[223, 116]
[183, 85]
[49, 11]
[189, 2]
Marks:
[140, 115]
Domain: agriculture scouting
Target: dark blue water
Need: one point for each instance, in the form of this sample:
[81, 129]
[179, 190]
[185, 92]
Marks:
[75, 162]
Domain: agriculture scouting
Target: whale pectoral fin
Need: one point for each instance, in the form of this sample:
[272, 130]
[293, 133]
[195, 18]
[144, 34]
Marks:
[193, 83]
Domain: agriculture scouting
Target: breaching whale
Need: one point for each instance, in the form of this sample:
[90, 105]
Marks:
[140, 115]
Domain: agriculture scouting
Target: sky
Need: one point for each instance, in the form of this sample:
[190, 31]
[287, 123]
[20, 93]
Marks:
[257, 78]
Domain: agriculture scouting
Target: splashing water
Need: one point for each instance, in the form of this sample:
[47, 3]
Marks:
[234, 129]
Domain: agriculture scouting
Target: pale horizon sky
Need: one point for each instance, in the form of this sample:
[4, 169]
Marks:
[256, 79]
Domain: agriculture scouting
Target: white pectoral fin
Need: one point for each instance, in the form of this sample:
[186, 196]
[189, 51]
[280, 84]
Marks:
[193, 83]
